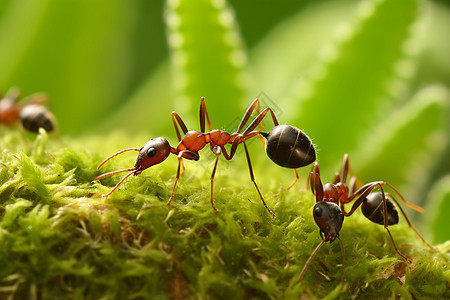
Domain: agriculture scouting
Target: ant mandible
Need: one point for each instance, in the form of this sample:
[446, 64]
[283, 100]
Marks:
[297, 152]
[329, 210]
[32, 115]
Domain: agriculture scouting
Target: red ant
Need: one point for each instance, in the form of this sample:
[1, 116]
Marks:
[286, 146]
[329, 209]
[32, 115]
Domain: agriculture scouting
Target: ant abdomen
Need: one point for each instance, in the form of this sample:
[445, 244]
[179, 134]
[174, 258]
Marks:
[289, 147]
[36, 116]
[372, 207]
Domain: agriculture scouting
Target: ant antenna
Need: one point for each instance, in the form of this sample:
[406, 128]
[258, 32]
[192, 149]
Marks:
[313, 254]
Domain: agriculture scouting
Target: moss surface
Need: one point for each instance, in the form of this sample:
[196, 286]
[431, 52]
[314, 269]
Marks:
[59, 239]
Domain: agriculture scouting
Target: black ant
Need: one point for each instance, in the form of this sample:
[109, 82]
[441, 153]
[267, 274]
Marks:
[32, 115]
[286, 146]
[329, 209]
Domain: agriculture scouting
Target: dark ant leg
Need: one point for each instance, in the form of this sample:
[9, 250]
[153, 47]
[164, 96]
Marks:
[252, 178]
[415, 207]
[235, 144]
[176, 118]
[258, 120]
[395, 246]
[176, 181]
[352, 185]
[364, 192]
[212, 179]
[337, 178]
[382, 183]
[247, 114]
[345, 167]
[407, 221]
[316, 183]
[204, 112]
[183, 154]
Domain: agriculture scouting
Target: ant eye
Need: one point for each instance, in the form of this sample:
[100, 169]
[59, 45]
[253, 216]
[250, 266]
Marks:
[151, 152]
[318, 212]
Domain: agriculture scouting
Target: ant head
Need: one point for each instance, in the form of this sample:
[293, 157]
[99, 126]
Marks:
[373, 209]
[152, 153]
[329, 218]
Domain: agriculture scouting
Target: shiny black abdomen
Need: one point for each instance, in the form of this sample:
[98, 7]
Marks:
[373, 209]
[289, 147]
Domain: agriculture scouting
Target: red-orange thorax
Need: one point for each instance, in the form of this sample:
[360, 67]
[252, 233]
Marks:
[192, 141]
[9, 111]
[195, 140]
[218, 137]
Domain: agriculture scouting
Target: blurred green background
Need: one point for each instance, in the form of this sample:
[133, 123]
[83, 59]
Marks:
[368, 78]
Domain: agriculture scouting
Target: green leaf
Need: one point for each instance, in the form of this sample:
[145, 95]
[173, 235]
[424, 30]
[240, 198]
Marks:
[437, 210]
[408, 141]
[147, 109]
[18, 23]
[80, 57]
[12, 211]
[207, 59]
[285, 54]
[353, 78]
[32, 175]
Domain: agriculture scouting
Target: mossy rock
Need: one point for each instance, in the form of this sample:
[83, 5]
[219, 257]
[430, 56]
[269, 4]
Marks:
[59, 239]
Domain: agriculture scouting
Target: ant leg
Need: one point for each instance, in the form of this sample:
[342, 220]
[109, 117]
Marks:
[315, 182]
[395, 246]
[259, 119]
[409, 223]
[345, 170]
[183, 169]
[295, 181]
[337, 178]
[176, 118]
[183, 154]
[365, 191]
[345, 167]
[252, 178]
[248, 113]
[204, 112]
[212, 180]
[362, 193]
[39, 98]
[13, 94]
[415, 207]
[352, 185]
[176, 181]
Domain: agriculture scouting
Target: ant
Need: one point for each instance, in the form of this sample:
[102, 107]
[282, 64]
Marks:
[32, 115]
[286, 145]
[329, 210]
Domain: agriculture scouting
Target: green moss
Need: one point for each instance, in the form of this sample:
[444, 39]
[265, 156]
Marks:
[60, 239]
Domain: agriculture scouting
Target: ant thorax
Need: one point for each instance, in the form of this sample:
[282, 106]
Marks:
[9, 111]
